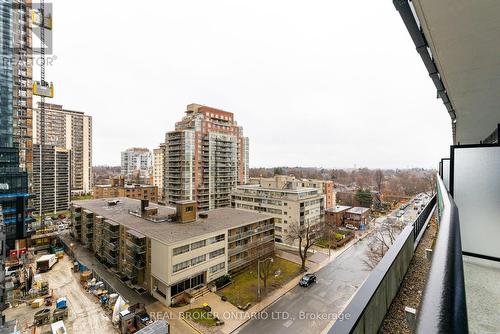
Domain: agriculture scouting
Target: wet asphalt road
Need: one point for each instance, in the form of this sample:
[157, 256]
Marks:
[312, 309]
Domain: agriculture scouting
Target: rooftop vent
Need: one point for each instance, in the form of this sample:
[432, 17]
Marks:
[113, 202]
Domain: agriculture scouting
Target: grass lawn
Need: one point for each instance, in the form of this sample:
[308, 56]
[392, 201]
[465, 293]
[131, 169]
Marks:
[243, 289]
[323, 242]
[200, 316]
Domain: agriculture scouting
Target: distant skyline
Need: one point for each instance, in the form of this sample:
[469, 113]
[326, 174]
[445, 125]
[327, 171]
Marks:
[323, 84]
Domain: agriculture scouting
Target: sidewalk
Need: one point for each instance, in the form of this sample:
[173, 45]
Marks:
[313, 267]
[158, 311]
[234, 318]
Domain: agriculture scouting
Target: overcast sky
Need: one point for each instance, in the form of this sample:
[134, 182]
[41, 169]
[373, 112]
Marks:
[313, 83]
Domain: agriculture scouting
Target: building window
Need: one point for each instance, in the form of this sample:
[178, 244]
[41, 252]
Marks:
[216, 253]
[179, 266]
[217, 267]
[181, 250]
[187, 284]
[198, 244]
[198, 259]
[215, 239]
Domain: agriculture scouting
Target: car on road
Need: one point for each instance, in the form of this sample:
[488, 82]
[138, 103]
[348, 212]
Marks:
[351, 227]
[11, 271]
[307, 279]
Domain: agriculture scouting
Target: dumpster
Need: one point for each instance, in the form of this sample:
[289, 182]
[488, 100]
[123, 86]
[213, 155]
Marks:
[61, 303]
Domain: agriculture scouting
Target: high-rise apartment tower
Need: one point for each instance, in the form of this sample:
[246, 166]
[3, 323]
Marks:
[137, 163]
[71, 130]
[205, 157]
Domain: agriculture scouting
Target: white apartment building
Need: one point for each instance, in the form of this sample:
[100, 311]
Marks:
[158, 169]
[137, 162]
[325, 187]
[289, 207]
[171, 253]
[71, 130]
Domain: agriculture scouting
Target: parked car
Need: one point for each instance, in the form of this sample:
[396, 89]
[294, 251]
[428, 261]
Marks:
[11, 271]
[351, 227]
[307, 279]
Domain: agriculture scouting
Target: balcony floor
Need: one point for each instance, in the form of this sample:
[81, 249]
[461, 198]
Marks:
[482, 293]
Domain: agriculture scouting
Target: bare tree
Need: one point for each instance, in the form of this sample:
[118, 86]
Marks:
[383, 239]
[306, 237]
[264, 273]
[379, 180]
[432, 183]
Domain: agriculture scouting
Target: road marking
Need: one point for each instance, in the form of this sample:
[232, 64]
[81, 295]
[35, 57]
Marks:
[288, 323]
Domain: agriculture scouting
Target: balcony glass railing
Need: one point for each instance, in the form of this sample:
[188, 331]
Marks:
[130, 272]
[239, 236]
[443, 308]
[138, 248]
[250, 245]
[367, 309]
[111, 232]
[111, 246]
[110, 259]
[253, 256]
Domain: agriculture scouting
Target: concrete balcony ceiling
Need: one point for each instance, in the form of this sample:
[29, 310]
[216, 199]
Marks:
[464, 38]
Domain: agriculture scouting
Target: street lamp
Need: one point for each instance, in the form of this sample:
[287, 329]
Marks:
[258, 274]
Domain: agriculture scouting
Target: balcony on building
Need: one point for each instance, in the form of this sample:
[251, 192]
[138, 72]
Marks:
[111, 230]
[136, 242]
[455, 41]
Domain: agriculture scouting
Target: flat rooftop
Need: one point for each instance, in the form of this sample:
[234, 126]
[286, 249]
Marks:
[169, 232]
[338, 208]
[358, 210]
[126, 186]
[284, 190]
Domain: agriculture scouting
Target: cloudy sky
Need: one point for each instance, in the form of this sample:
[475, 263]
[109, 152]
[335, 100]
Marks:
[313, 83]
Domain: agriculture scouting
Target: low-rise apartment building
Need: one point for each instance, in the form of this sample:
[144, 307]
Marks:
[289, 181]
[342, 215]
[335, 216]
[289, 207]
[357, 216]
[118, 188]
[170, 252]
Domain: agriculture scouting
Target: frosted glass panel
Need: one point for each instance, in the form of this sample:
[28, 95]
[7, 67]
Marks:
[446, 173]
[476, 188]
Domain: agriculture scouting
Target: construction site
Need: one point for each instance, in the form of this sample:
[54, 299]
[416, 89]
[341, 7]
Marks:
[54, 294]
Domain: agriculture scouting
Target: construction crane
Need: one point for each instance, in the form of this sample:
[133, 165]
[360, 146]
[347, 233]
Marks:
[42, 88]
